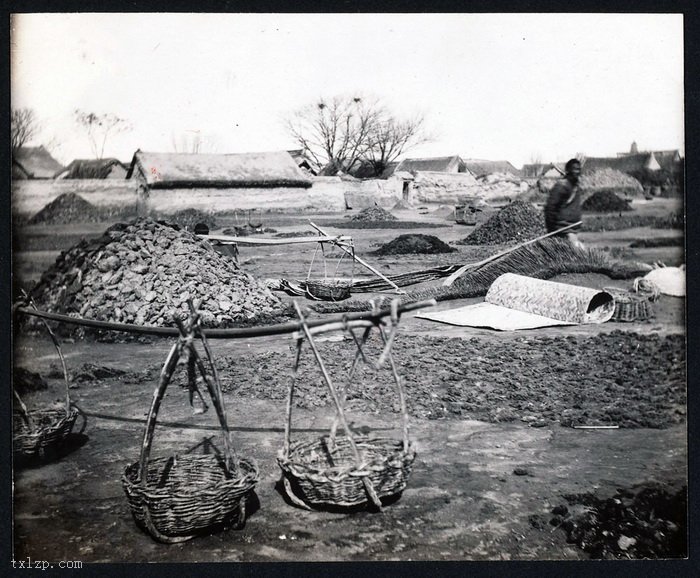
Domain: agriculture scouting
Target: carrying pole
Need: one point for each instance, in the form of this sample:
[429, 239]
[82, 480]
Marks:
[360, 261]
[459, 272]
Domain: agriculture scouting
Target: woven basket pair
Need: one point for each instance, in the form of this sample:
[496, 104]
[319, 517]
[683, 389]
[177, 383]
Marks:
[181, 496]
[345, 470]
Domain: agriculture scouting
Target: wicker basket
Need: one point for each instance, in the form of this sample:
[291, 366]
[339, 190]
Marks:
[40, 436]
[630, 306]
[345, 470]
[328, 475]
[187, 494]
[178, 497]
[326, 290]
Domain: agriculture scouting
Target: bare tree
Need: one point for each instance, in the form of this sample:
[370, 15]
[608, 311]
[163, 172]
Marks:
[23, 127]
[337, 130]
[392, 137]
[99, 127]
[346, 130]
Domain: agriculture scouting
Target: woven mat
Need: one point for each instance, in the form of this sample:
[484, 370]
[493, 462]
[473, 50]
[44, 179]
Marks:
[517, 302]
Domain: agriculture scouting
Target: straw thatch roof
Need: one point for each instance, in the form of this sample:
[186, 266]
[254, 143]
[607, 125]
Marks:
[481, 167]
[536, 170]
[34, 163]
[186, 170]
[453, 164]
[93, 169]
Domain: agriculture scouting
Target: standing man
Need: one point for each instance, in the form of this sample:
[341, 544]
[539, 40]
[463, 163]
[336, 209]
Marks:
[563, 205]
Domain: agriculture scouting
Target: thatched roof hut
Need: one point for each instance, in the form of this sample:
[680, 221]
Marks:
[453, 164]
[245, 170]
[34, 163]
[481, 167]
[94, 169]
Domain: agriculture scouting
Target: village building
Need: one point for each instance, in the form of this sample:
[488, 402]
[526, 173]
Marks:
[34, 163]
[480, 168]
[94, 169]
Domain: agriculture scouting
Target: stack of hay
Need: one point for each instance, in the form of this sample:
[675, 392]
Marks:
[423, 244]
[604, 201]
[143, 271]
[67, 208]
[517, 222]
[374, 214]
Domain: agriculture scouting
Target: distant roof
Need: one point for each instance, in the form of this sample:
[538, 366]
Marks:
[389, 170]
[90, 169]
[482, 167]
[438, 164]
[185, 170]
[36, 162]
[539, 169]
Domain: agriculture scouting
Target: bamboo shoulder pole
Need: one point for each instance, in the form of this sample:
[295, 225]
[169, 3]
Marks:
[459, 272]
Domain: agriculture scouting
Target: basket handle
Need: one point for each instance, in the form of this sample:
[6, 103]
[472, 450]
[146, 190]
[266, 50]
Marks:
[184, 341]
[339, 408]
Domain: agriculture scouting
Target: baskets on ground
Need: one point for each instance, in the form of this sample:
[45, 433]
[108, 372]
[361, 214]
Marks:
[328, 474]
[178, 497]
[329, 290]
[39, 434]
[630, 306]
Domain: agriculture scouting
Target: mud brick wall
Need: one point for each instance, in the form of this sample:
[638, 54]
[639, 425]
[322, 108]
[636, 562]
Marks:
[30, 196]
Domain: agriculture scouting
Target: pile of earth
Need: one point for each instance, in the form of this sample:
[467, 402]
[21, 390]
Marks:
[373, 214]
[414, 243]
[188, 218]
[67, 208]
[631, 380]
[599, 223]
[401, 206]
[518, 221]
[143, 271]
[605, 200]
[645, 522]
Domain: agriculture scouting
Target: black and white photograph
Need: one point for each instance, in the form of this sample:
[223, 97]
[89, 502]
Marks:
[347, 287]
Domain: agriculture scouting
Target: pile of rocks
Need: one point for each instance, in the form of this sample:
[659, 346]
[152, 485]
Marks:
[518, 221]
[605, 200]
[67, 208]
[143, 271]
[421, 244]
[374, 214]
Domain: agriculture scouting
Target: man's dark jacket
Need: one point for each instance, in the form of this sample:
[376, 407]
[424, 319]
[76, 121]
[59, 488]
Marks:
[563, 206]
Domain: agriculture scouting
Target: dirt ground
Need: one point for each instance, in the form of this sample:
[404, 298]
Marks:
[491, 415]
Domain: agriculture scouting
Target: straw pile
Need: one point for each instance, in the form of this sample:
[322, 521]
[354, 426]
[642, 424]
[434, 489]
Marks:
[374, 214]
[604, 201]
[542, 260]
[417, 243]
[67, 208]
[608, 178]
[143, 271]
[518, 221]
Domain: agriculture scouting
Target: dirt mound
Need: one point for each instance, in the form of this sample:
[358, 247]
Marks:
[422, 244]
[142, 271]
[516, 222]
[188, 218]
[605, 200]
[401, 206]
[67, 208]
[374, 214]
[647, 522]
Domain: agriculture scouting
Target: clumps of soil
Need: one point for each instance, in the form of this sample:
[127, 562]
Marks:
[621, 378]
[516, 222]
[646, 522]
[67, 208]
[599, 223]
[374, 214]
[604, 201]
[188, 218]
[414, 243]
[143, 271]
[401, 206]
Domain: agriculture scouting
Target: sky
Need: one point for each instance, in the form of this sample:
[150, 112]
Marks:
[517, 87]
